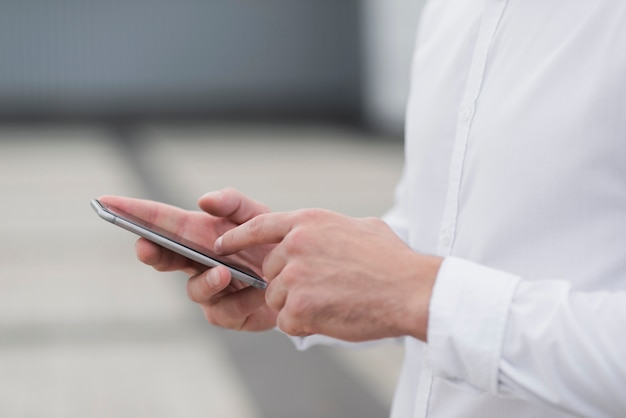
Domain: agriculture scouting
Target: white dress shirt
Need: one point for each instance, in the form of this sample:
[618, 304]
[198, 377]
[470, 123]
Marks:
[516, 173]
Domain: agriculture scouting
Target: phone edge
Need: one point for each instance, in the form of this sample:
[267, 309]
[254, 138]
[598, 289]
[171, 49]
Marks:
[173, 245]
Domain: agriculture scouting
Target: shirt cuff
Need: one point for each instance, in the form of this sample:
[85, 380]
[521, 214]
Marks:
[467, 321]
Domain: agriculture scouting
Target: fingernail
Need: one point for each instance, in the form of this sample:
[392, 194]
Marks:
[212, 194]
[213, 278]
[217, 246]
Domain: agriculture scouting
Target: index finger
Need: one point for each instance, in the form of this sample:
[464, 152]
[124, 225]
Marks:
[269, 228]
[162, 214]
[168, 217]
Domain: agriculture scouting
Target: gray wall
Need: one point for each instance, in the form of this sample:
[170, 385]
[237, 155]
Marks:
[73, 57]
[389, 32]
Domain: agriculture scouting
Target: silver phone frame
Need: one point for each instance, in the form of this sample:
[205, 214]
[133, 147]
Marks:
[141, 230]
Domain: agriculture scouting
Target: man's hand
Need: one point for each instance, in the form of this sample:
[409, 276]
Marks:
[351, 279]
[225, 302]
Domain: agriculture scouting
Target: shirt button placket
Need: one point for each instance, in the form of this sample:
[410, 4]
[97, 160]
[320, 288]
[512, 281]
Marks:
[465, 115]
[476, 74]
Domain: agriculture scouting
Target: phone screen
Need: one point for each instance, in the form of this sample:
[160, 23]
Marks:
[171, 236]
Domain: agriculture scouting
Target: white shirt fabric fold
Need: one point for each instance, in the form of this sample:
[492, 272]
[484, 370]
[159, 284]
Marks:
[516, 173]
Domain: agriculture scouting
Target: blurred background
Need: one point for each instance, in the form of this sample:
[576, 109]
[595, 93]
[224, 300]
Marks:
[298, 104]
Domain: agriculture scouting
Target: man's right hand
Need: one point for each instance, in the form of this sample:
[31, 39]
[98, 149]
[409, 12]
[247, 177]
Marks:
[225, 302]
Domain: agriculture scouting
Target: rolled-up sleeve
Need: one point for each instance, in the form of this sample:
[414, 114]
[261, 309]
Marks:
[467, 322]
[536, 340]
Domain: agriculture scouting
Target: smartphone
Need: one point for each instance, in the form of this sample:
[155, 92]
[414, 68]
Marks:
[168, 239]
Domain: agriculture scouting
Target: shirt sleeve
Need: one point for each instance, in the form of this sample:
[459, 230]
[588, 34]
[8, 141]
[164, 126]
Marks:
[534, 340]
[396, 217]
[304, 343]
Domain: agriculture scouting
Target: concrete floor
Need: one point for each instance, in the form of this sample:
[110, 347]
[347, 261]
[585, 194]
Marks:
[87, 331]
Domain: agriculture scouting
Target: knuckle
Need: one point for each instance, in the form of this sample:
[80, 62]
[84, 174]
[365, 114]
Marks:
[297, 240]
[298, 306]
[190, 290]
[255, 225]
[290, 274]
[193, 290]
[147, 252]
[374, 221]
[288, 325]
[274, 304]
[311, 214]
[306, 228]
[265, 265]
[296, 317]
[377, 224]
[164, 260]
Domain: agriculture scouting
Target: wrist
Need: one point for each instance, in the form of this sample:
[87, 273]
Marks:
[424, 274]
